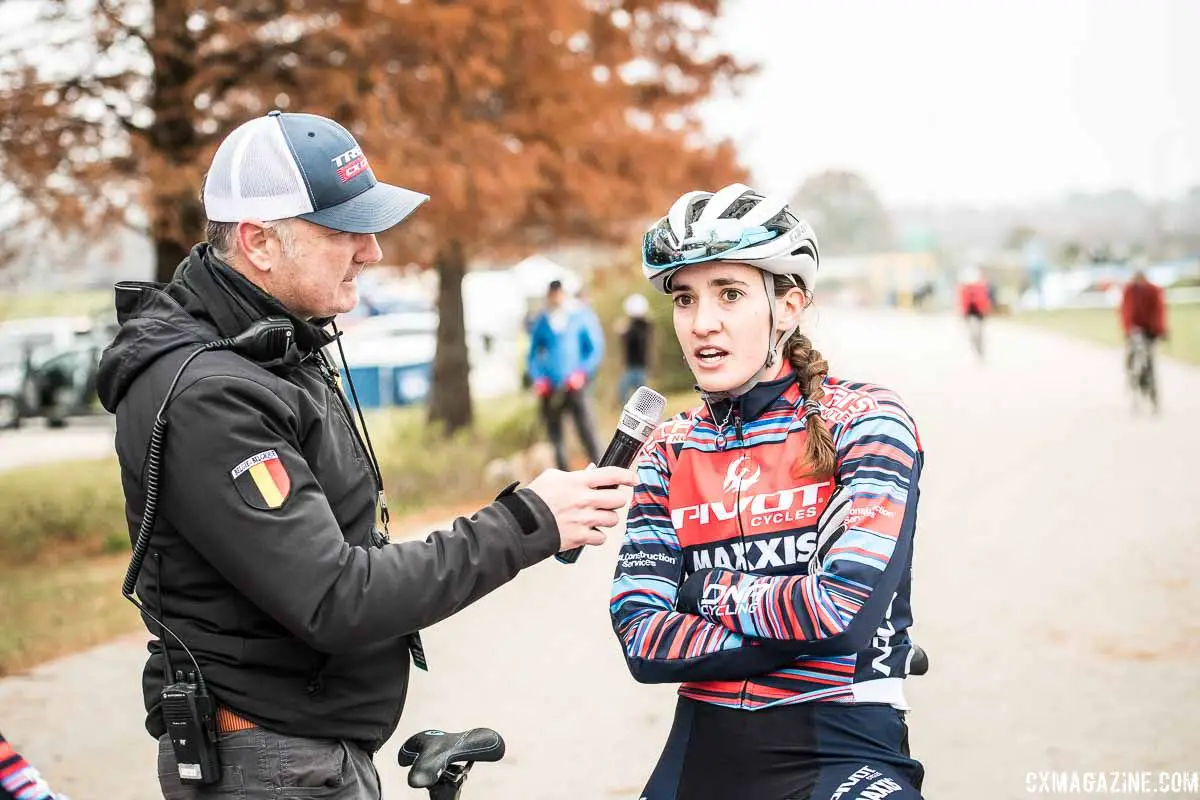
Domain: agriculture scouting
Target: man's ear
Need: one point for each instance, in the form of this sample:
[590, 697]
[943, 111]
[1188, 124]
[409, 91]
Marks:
[789, 308]
[255, 245]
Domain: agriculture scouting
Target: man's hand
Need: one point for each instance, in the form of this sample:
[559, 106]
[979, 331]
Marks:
[579, 505]
[542, 387]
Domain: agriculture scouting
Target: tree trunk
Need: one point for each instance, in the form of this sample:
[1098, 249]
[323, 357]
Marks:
[168, 252]
[176, 213]
[450, 396]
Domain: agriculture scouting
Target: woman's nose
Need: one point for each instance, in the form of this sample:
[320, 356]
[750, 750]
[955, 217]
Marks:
[707, 319]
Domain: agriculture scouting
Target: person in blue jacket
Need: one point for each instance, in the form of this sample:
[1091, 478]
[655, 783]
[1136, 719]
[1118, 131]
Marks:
[566, 345]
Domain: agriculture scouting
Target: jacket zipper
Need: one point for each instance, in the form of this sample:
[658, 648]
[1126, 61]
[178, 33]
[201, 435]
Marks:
[737, 429]
[329, 373]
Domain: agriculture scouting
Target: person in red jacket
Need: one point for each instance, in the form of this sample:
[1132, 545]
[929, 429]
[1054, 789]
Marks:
[1144, 320]
[1143, 308]
[974, 304]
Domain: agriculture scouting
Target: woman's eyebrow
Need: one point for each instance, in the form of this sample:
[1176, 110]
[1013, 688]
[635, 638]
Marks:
[727, 282]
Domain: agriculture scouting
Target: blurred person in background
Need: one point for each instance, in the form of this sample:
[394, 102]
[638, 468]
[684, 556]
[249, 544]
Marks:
[20, 780]
[634, 331]
[767, 558]
[269, 556]
[975, 305]
[1144, 321]
[1143, 308]
[565, 349]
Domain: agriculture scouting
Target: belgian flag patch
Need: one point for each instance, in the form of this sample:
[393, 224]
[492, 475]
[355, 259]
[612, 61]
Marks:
[262, 481]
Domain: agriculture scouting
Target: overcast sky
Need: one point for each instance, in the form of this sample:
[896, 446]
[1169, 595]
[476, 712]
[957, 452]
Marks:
[968, 100]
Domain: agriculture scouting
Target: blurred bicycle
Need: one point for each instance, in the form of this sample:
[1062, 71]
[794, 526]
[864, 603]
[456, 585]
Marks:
[1139, 370]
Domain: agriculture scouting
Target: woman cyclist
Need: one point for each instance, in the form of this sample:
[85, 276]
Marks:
[767, 558]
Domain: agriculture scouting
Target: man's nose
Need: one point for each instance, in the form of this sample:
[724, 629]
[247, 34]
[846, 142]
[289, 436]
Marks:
[369, 251]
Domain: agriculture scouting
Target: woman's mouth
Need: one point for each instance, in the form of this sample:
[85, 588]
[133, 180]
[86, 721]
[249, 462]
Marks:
[709, 357]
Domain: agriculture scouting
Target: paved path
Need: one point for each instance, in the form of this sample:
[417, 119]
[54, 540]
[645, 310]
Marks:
[34, 443]
[1055, 589]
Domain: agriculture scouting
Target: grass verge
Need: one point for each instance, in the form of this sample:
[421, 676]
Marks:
[54, 609]
[1102, 325]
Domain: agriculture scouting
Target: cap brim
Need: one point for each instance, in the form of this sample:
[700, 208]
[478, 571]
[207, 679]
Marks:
[374, 211]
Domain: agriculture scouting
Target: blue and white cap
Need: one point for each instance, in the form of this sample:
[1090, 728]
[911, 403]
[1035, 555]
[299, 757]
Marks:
[300, 165]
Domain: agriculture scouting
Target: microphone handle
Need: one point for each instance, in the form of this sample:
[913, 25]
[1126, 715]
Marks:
[621, 452]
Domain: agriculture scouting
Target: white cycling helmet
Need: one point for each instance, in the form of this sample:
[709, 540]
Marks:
[734, 224]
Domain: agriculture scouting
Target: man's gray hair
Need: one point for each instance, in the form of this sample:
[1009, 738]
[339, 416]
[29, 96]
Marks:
[222, 236]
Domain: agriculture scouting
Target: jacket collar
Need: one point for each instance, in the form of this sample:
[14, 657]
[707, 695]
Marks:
[233, 303]
[754, 403]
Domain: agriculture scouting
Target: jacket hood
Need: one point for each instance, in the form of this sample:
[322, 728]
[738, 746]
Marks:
[206, 300]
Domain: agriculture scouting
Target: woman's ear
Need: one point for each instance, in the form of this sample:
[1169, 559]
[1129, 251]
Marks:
[789, 308]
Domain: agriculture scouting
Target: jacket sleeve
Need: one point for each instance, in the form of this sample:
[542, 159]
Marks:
[662, 645]
[1160, 312]
[591, 346]
[1126, 309]
[293, 561]
[19, 780]
[534, 363]
[835, 609]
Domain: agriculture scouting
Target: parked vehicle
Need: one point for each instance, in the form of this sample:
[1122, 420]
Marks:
[63, 384]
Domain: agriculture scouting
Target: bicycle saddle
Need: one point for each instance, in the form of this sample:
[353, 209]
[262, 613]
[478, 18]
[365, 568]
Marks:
[430, 752]
[920, 661]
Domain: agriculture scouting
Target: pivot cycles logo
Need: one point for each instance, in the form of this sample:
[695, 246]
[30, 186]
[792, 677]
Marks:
[767, 511]
[739, 477]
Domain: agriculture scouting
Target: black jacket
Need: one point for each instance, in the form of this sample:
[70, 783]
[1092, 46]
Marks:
[265, 558]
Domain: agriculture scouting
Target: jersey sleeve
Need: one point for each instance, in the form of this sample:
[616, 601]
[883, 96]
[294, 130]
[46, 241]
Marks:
[865, 550]
[662, 645]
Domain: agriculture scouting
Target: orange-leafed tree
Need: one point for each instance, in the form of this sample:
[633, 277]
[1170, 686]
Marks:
[535, 121]
[528, 121]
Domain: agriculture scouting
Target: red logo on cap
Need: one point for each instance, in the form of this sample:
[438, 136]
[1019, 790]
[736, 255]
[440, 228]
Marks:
[351, 164]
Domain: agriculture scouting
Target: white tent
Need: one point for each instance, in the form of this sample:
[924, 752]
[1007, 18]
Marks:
[535, 273]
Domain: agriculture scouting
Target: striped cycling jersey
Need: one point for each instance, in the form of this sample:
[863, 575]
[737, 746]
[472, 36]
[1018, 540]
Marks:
[754, 588]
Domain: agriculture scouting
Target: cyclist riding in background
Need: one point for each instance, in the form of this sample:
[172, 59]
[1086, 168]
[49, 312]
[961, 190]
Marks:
[974, 304]
[766, 563]
[1144, 321]
[1143, 308]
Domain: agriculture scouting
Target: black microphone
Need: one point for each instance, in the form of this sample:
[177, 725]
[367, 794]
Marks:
[639, 418]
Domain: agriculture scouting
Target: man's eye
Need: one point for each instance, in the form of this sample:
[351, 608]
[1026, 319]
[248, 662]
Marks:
[730, 295]
[681, 300]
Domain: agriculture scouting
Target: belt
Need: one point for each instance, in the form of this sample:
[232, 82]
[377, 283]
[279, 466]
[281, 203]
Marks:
[230, 722]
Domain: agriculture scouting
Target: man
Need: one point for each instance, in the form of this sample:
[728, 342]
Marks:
[1143, 308]
[634, 331]
[565, 349]
[265, 557]
[1143, 314]
[974, 304]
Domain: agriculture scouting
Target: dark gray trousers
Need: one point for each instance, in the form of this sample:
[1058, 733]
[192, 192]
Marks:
[260, 765]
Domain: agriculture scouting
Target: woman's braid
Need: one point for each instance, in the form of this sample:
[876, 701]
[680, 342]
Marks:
[820, 457]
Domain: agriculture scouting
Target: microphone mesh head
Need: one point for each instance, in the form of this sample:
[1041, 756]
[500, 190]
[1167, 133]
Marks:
[642, 413]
